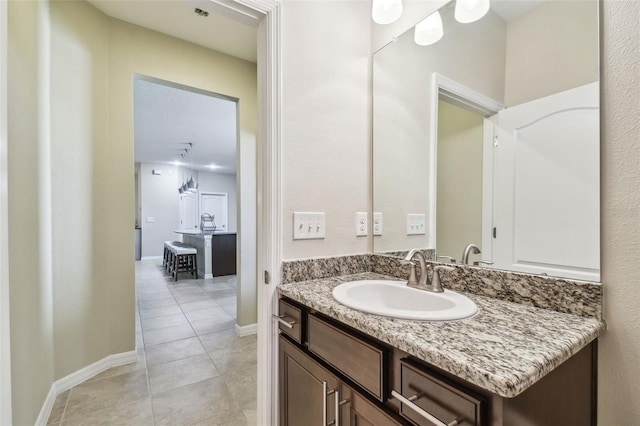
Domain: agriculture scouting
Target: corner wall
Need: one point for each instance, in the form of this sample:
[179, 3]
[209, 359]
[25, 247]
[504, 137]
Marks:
[619, 348]
[29, 209]
[325, 121]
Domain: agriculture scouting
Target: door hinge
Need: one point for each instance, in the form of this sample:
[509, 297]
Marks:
[267, 278]
[494, 232]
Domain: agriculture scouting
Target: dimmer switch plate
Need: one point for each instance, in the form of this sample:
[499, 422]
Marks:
[308, 225]
[362, 225]
[416, 224]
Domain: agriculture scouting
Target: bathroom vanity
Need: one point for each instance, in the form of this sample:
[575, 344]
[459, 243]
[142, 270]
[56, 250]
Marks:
[511, 364]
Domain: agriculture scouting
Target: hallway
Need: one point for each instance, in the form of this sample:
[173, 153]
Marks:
[192, 369]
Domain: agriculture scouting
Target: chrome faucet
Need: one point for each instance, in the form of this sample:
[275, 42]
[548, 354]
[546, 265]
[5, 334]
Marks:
[471, 248]
[423, 284]
[413, 281]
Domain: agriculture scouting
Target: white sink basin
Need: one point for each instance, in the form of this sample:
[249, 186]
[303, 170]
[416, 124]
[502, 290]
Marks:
[395, 299]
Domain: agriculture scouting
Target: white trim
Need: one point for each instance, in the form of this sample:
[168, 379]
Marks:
[5, 329]
[465, 97]
[151, 258]
[206, 276]
[269, 203]
[80, 376]
[246, 330]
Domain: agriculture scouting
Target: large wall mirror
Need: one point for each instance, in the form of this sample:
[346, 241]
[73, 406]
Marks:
[490, 136]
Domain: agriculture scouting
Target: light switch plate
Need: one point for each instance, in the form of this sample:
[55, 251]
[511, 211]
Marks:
[151, 219]
[308, 225]
[416, 224]
[361, 223]
[377, 223]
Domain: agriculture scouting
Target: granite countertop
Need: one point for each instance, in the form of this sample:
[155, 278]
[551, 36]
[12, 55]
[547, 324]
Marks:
[504, 349]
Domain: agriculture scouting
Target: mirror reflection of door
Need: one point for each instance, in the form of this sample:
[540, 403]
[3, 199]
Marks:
[215, 204]
[188, 211]
[459, 205]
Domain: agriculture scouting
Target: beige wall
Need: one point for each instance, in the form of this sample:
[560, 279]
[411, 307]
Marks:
[132, 50]
[81, 204]
[619, 353]
[71, 176]
[325, 121]
[29, 202]
[459, 199]
[561, 56]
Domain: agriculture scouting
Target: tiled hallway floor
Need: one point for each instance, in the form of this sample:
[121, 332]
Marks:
[192, 369]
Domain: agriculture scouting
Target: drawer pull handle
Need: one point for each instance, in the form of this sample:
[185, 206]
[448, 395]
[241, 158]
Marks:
[426, 415]
[281, 320]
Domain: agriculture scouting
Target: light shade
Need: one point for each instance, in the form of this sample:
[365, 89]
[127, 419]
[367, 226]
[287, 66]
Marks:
[386, 11]
[191, 184]
[429, 30]
[470, 10]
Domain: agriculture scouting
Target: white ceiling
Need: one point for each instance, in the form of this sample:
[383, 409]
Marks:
[178, 19]
[166, 119]
[509, 9]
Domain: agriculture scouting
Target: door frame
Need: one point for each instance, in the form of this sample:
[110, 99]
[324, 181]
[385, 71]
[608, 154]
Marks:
[5, 341]
[269, 205]
[464, 97]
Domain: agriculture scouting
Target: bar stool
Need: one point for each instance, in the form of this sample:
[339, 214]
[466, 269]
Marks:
[182, 259]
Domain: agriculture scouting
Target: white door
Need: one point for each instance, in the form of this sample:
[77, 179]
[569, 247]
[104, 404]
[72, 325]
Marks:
[547, 186]
[188, 212]
[217, 205]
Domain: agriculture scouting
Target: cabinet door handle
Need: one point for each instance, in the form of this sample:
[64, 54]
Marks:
[325, 394]
[423, 413]
[281, 320]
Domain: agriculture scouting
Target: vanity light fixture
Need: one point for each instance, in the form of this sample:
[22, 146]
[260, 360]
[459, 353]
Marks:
[468, 11]
[429, 30]
[386, 11]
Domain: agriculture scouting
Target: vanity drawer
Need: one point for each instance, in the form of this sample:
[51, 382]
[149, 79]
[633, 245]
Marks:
[439, 398]
[357, 359]
[292, 315]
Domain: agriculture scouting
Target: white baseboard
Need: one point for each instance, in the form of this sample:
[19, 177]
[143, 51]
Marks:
[208, 276]
[80, 376]
[246, 330]
[151, 258]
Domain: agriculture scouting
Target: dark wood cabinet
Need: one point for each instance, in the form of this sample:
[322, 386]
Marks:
[383, 386]
[309, 393]
[223, 254]
[447, 403]
[356, 410]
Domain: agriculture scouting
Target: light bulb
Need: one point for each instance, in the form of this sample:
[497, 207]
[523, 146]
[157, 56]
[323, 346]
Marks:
[429, 30]
[386, 11]
[470, 10]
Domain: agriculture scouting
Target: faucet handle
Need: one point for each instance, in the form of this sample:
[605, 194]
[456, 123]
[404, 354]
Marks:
[436, 284]
[449, 258]
[482, 262]
[413, 278]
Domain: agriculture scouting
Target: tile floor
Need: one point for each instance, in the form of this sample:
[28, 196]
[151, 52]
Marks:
[192, 369]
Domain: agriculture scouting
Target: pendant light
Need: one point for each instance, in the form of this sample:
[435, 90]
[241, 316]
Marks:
[191, 185]
[429, 30]
[386, 11]
[468, 11]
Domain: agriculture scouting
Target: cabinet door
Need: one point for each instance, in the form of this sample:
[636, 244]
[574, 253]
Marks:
[356, 410]
[307, 390]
